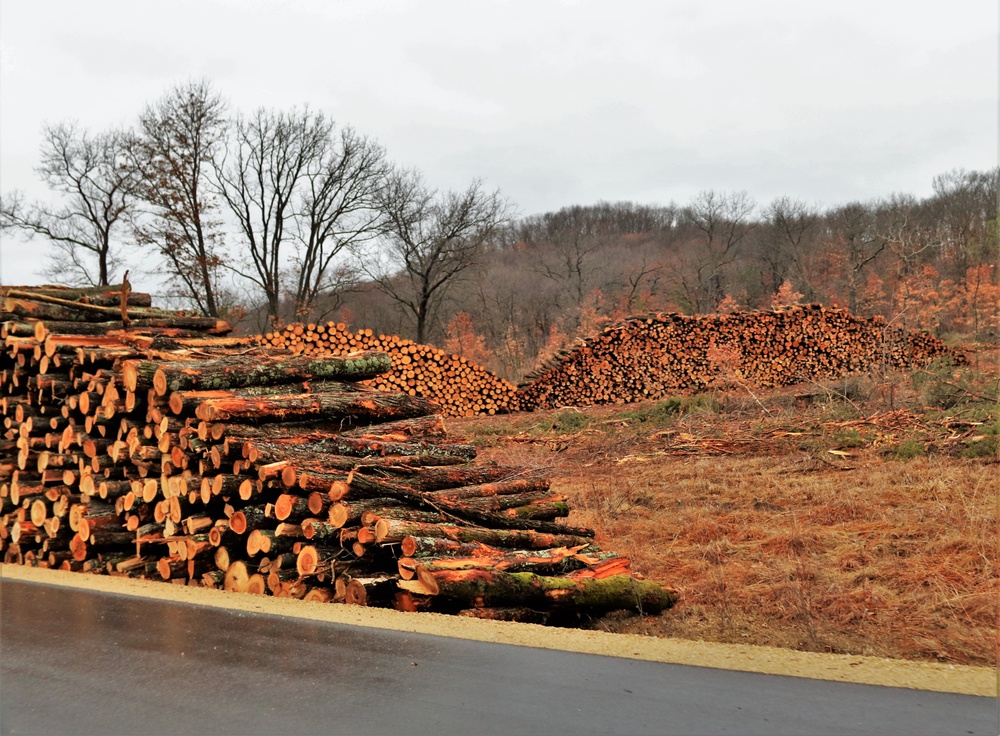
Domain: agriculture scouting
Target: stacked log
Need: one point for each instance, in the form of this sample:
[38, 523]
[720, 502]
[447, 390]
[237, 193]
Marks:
[658, 355]
[97, 311]
[201, 461]
[460, 387]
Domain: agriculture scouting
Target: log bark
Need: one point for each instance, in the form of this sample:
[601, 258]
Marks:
[552, 561]
[358, 447]
[365, 486]
[104, 296]
[418, 428]
[445, 477]
[334, 403]
[232, 372]
[517, 486]
[398, 530]
[590, 595]
[71, 307]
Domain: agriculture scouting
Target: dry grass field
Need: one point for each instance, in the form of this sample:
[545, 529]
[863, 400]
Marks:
[858, 516]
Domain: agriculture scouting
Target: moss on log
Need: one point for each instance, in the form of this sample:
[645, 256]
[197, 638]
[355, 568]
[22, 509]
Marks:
[240, 371]
[591, 595]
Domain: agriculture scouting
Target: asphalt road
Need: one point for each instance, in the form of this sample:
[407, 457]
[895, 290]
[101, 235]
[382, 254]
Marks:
[82, 662]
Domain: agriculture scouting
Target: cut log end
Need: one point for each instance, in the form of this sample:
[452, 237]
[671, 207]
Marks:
[355, 593]
[237, 578]
[307, 561]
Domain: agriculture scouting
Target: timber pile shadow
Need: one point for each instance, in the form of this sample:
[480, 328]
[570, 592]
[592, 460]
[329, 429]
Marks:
[460, 387]
[658, 355]
[164, 452]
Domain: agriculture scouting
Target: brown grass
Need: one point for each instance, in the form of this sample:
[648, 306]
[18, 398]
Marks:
[772, 539]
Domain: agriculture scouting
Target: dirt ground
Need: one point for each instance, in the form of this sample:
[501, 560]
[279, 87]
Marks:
[854, 517]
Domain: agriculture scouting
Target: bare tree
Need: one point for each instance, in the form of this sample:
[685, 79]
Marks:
[856, 229]
[172, 154]
[718, 223]
[337, 210]
[97, 193]
[781, 243]
[259, 178]
[430, 240]
[965, 206]
[642, 273]
[566, 245]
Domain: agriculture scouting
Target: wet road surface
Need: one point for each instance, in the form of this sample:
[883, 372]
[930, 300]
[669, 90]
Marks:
[82, 662]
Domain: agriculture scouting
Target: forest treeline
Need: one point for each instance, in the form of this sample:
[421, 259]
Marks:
[276, 216]
[926, 264]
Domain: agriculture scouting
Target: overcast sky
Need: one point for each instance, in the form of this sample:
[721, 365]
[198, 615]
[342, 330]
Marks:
[554, 103]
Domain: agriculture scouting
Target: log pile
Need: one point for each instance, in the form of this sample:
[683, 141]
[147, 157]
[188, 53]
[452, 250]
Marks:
[460, 387]
[654, 356]
[217, 462]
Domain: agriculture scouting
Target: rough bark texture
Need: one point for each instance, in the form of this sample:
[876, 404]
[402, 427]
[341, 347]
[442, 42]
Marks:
[560, 594]
[253, 369]
[340, 402]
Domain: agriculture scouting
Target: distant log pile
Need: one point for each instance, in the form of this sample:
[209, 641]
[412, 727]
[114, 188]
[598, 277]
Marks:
[459, 387]
[215, 462]
[657, 355]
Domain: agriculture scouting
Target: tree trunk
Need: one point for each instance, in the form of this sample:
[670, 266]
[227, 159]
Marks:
[355, 405]
[241, 371]
[397, 530]
[588, 595]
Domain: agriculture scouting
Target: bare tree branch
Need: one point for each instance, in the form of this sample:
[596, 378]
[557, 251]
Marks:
[172, 153]
[97, 193]
[337, 210]
[430, 239]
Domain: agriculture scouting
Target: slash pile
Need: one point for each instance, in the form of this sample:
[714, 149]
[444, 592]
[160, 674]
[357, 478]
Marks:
[161, 452]
[654, 356]
[460, 387]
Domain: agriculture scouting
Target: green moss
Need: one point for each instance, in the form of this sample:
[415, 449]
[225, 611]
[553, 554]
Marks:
[849, 437]
[566, 422]
[617, 592]
[561, 509]
[984, 446]
[909, 449]
[664, 413]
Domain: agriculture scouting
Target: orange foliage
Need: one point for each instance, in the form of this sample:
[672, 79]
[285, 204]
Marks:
[511, 352]
[461, 339]
[921, 298]
[727, 360]
[980, 297]
[785, 296]
[729, 305]
[346, 315]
